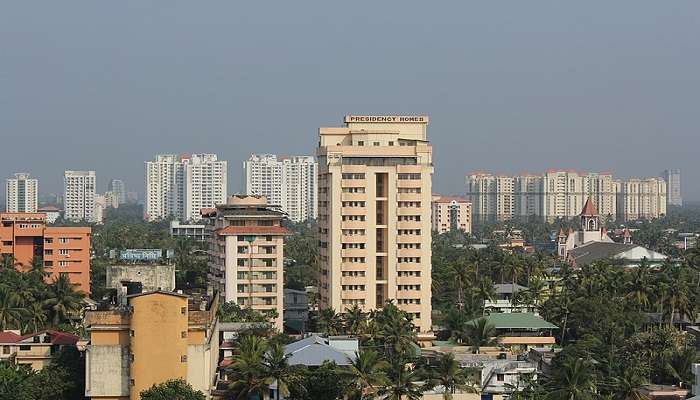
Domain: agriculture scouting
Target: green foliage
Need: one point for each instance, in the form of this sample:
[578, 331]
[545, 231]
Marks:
[62, 379]
[232, 312]
[175, 389]
[30, 304]
[301, 255]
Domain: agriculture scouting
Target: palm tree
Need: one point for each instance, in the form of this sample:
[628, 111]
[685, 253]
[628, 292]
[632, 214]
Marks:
[330, 322]
[480, 333]
[448, 374]
[35, 319]
[355, 320]
[8, 261]
[277, 369]
[63, 299]
[10, 313]
[395, 330]
[367, 370]
[629, 385]
[403, 382]
[247, 373]
[680, 365]
[574, 380]
[37, 266]
[639, 286]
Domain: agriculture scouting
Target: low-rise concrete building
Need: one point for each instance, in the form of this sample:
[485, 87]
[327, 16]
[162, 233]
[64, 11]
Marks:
[147, 278]
[154, 337]
[196, 232]
[503, 301]
[35, 349]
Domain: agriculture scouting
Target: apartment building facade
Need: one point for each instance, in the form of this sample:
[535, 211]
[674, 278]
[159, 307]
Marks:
[179, 186]
[154, 337]
[64, 250]
[117, 190]
[451, 213]
[290, 182]
[21, 193]
[642, 199]
[673, 186]
[492, 197]
[556, 194]
[79, 196]
[246, 254]
[375, 181]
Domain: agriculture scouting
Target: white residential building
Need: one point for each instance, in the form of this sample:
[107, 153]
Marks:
[673, 184]
[79, 196]
[21, 193]
[289, 182]
[180, 186]
[117, 188]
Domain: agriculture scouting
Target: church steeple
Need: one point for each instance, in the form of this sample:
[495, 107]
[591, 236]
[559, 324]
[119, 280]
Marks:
[590, 221]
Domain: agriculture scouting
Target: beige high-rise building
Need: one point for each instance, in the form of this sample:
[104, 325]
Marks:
[492, 197]
[451, 213]
[556, 194]
[642, 199]
[375, 178]
[246, 254]
[527, 192]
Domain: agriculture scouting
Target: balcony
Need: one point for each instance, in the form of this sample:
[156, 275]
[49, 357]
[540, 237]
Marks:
[409, 183]
[409, 211]
[353, 252]
[353, 197]
[409, 225]
[353, 224]
[353, 211]
[353, 182]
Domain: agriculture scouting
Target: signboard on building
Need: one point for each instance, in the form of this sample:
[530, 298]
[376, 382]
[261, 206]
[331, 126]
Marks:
[391, 119]
[141, 254]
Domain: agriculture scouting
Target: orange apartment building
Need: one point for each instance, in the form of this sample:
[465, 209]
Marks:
[65, 250]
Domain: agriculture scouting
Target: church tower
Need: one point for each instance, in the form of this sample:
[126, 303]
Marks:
[590, 221]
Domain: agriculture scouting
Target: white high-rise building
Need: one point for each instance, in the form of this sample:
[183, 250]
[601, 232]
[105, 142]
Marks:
[118, 190]
[673, 185]
[180, 186]
[289, 182]
[21, 193]
[79, 196]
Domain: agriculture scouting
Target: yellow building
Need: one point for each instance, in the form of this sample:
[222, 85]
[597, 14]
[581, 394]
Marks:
[375, 177]
[155, 337]
[246, 254]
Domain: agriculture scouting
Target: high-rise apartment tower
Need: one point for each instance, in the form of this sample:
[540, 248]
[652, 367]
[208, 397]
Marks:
[374, 178]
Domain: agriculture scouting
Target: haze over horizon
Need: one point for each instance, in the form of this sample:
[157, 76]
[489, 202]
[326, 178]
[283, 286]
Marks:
[531, 86]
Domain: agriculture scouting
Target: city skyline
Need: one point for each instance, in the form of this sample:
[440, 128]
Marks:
[508, 87]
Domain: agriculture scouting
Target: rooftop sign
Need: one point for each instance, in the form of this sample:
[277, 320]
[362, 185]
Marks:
[388, 119]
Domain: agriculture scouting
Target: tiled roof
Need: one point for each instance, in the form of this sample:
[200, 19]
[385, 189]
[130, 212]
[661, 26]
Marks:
[57, 337]
[589, 209]
[9, 337]
[253, 230]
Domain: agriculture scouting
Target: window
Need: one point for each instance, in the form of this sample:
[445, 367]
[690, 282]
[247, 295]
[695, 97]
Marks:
[183, 334]
[63, 240]
[64, 252]
[183, 310]
[25, 347]
[360, 143]
[183, 358]
[500, 377]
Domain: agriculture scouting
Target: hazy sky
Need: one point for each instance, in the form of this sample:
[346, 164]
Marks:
[509, 86]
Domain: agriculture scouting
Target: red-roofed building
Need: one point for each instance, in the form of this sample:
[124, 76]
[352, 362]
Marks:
[35, 349]
[590, 231]
[450, 212]
[246, 249]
